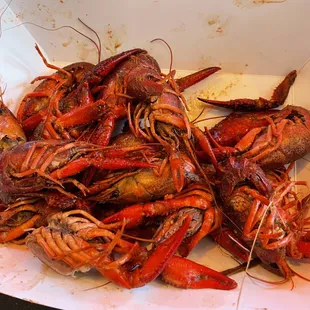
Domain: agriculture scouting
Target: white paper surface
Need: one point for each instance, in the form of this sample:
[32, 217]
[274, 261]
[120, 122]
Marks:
[24, 276]
[250, 36]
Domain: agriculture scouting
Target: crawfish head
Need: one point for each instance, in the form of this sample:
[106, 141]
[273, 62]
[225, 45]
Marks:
[26, 167]
[57, 85]
[142, 80]
[240, 170]
[295, 137]
[11, 132]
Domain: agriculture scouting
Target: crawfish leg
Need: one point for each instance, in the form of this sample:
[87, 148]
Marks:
[278, 98]
[177, 171]
[260, 146]
[136, 214]
[205, 145]
[246, 142]
[269, 150]
[50, 65]
[18, 231]
[82, 163]
[6, 215]
[250, 222]
[191, 242]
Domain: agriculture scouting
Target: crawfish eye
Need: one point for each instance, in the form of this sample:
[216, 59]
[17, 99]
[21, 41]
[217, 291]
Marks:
[115, 194]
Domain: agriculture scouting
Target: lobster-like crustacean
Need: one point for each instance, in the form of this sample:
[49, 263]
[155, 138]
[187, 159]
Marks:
[142, 185]
[49, 164]
[39, 109]
[271, 139]
[76, 241]
[266, 211]
[261, 104]
[162, 109]
[196, 201]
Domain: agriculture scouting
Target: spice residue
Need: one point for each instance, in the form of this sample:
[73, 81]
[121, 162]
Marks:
[65, 44]
[113, 38]
[217, 25]
[84, 50]
[254, 3]
[212, 92]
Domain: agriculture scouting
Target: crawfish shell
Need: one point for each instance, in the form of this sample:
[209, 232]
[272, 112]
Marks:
[33, 105]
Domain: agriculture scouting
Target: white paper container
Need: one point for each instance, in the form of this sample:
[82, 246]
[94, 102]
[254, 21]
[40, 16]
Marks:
[257, 41]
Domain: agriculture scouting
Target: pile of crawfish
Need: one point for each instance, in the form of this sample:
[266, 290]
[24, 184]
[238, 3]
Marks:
[132, 203]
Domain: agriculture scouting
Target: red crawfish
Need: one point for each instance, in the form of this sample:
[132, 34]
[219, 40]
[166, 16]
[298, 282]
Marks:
[278, 98]
[163, 110]
[76, 241]
[33, 166]
[271, 139]
[26, 213]
[196, 201]
[264, 209]
[38, 109]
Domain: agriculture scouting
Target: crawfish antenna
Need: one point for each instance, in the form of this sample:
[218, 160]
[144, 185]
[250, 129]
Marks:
[4, 10]
[96, 34]
[48, 65]
[171, 54]
[54, 29]
[2, 92]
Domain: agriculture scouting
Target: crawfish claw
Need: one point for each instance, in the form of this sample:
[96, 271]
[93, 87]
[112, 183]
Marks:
[278, 98]
[183, 273]
[196, 77]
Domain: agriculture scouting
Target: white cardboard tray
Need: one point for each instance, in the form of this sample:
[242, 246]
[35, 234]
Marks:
[275, 45]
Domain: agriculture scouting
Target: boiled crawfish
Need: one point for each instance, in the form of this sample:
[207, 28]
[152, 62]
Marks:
[196, 201]
[76, 241]
[38, 109]
[143, 185]
[163, 112]
[278, 98]
[49, 164]
[271, 139]
[265, 210]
